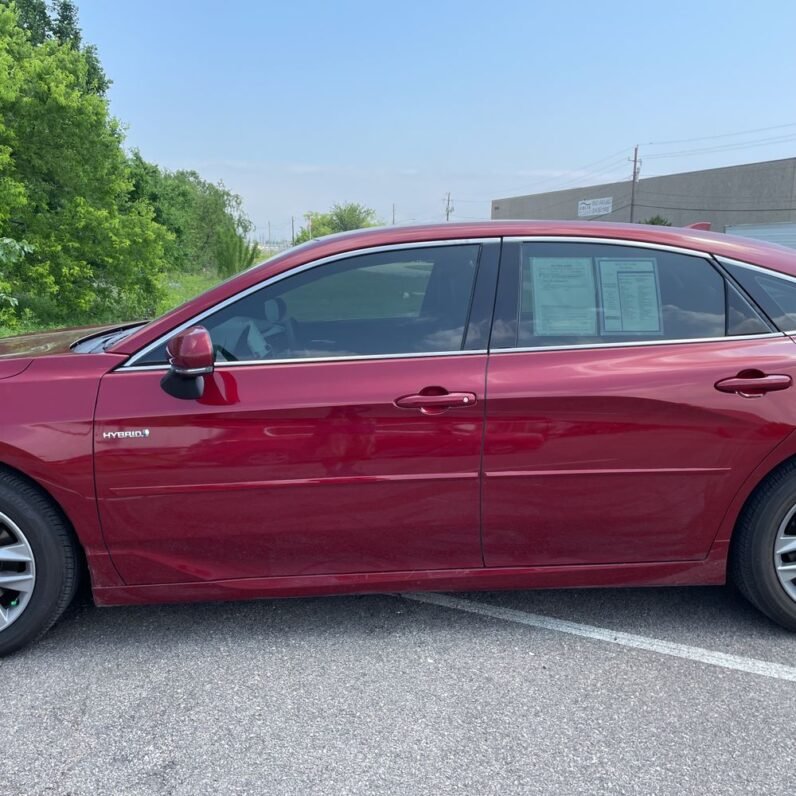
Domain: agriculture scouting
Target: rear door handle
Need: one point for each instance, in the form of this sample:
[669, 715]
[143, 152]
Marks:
[753, 386]
[446, 400]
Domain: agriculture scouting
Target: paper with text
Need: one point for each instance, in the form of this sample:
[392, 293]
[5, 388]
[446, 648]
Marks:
[631, 296]
[564, 296]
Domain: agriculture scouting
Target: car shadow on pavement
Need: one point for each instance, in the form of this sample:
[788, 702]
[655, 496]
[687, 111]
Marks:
[715, 617]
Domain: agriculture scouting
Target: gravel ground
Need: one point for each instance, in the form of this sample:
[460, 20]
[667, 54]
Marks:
[383, 695]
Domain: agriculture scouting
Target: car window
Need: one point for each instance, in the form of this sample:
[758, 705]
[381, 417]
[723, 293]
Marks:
[583, 293]
[775, 295]
[406, 301]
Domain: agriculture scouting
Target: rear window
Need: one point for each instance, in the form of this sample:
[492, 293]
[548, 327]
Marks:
[776, 295]
[576, 294]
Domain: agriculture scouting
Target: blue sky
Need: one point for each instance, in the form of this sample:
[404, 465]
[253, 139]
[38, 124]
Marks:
[296, 105]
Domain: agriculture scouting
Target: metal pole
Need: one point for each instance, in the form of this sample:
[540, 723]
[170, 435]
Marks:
[633, 184]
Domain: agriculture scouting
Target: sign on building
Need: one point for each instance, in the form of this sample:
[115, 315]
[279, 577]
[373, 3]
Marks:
[595, 207]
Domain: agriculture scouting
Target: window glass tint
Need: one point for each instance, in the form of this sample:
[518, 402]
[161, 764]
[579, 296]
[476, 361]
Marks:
[578, 294]
[408, 301]
[742, 318]
[383, 290]
[775, 295]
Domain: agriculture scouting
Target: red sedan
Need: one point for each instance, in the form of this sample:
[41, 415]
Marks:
[482, 406]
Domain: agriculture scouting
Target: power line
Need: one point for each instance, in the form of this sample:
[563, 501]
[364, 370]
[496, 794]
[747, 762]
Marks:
[722, 135]
[725, 147]
[569, 178]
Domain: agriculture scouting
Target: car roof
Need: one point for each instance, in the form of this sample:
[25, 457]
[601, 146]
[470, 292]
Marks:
[747, 249]
[767, 255]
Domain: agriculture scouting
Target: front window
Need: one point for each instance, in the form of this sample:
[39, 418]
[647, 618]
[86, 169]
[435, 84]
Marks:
[404, 301]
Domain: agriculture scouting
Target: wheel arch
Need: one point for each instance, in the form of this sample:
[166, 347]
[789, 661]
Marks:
[45, 493]
[79, 513]
[783, 456]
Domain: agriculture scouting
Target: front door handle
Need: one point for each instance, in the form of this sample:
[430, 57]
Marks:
[436, 401]
[754, 384]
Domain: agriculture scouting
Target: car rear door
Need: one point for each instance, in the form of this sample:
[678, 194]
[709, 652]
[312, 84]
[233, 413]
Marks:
[340, 433]
[631, 391]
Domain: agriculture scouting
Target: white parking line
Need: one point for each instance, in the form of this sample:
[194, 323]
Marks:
[751, 665]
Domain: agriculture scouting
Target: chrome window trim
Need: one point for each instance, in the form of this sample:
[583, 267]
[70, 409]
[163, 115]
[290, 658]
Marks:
[308, 360]
[682, 341]
[196, 319]
[759, 268]
[638, 244]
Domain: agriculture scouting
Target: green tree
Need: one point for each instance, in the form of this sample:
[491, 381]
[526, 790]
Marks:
[64, 26]
[658, 221]
[234, 252]
[340, 218]
[96, 252]
[61, 25]
[11, 252]
[197, 213]
[34, 17]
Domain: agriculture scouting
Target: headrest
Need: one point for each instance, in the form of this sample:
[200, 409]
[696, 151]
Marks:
[275, 310]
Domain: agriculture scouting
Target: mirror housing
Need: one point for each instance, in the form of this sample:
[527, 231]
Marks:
[191, 358]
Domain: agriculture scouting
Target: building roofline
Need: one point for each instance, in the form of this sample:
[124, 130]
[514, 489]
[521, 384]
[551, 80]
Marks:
[642, 179]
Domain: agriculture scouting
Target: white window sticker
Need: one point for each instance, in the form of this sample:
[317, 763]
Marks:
[564, 296]
[631, 296]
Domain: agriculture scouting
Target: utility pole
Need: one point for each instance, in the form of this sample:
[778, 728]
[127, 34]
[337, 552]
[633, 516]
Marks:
[269, 233]
[393, 213]
[292, 230]
[636, 168]
[448, 207]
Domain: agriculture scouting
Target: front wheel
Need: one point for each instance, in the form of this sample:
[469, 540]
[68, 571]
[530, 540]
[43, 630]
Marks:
[38, 564]
[763, 555]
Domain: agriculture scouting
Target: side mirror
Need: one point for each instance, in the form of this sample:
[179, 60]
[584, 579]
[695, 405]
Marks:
[191, 358]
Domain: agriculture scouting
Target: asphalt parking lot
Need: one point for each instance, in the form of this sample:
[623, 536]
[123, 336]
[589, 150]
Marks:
[388, 695]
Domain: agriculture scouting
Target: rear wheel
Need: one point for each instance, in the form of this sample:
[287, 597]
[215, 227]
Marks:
[38, 564]
[763, 561]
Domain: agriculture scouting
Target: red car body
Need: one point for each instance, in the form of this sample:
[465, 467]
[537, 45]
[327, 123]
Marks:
[613, 467]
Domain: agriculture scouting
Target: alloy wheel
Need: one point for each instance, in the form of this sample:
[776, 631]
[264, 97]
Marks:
[17, 572]
[785, 553]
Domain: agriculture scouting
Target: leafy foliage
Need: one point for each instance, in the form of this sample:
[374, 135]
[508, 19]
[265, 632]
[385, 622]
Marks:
[340, 218]
[233, 252]
[64, 25]
[11, 252]
[64, 188]
[61, 24]
[658, 221]
[199, 215]
[34, 18]
[88, 233]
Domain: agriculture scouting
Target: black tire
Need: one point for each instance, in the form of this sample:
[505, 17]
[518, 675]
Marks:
[56, 558]
[752, 553]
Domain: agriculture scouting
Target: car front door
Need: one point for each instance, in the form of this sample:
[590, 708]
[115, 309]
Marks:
[340, 433]
[631, 391]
